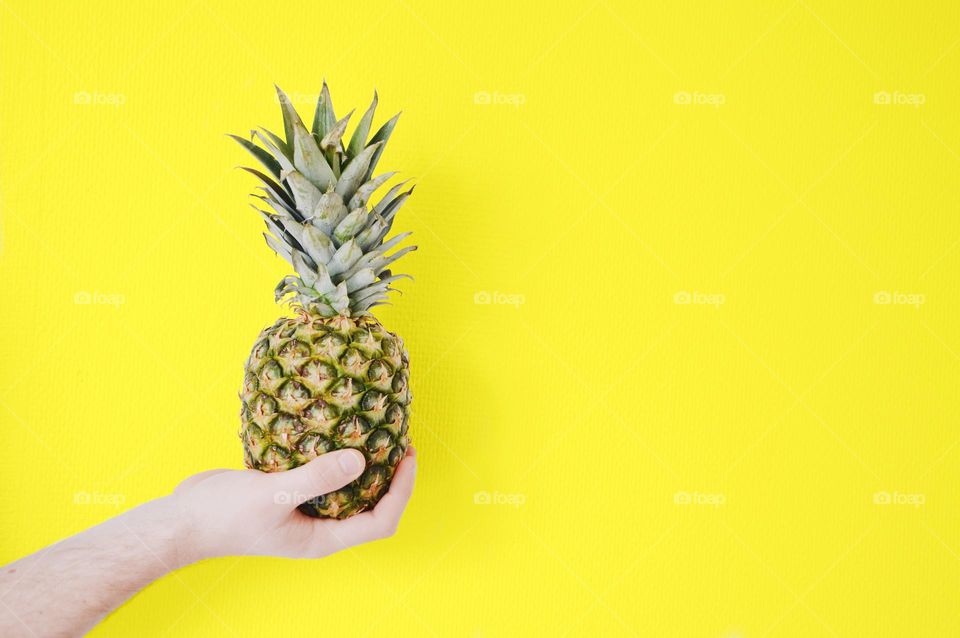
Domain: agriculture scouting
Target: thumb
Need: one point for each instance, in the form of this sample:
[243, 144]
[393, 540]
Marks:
[326, 473]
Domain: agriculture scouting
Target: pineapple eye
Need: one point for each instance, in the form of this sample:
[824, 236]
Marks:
[373, 477]
[286, 425]
[379, 445]
[270, 373]
[373, 400]
[400, 382]
[294, 390]
[332, 504]
[379, 370]
[289, 330]
[265, 405]
[388, 346]
[346, 388]
[321, 412]
[365, 338]
[394, 414]
[252, 435]
[261, 349]
[312, 444]
[332, 340]
[353, 431]
[294, 349]
[352, 359]
[331, 345]
[318, 371]
[250, 383]
[274, 458]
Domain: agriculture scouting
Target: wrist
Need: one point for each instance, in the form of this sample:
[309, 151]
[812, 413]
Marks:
[165, 530]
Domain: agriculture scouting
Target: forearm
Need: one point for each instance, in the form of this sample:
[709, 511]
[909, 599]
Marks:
[65, 589]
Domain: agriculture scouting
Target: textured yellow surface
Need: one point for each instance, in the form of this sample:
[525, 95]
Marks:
[713, 388]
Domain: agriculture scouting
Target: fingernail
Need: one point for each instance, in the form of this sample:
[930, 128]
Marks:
[350, 461]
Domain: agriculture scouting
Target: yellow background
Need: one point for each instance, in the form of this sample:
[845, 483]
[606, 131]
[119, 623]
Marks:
[560, 172]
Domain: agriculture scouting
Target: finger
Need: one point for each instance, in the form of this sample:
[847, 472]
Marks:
[382, 521]
[391, 506]
[326, 473]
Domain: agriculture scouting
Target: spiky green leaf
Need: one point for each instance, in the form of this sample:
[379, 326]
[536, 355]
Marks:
[309, 160]
[323, 117]
[305, 193]
[290, 116]
[331, 141]
[362, 196]
[359, 138]
[350, 225]
[382, 135]
[278, 155]
[262, 156]
[345, 257]
[354, 175]
[272, 187]
[317, 244]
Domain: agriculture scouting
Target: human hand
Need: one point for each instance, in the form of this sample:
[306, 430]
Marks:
[247, 512]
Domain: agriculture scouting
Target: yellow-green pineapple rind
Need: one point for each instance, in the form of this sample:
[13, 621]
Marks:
[315, 384]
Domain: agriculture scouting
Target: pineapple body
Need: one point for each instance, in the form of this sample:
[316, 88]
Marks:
[314, 384]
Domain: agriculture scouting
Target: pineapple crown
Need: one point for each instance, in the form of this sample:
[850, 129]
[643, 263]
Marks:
[317, 190]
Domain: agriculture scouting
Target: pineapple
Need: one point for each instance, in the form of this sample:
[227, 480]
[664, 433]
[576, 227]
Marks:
[332, 376]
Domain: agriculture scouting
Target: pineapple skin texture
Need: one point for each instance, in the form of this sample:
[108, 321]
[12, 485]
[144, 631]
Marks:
[315, 384]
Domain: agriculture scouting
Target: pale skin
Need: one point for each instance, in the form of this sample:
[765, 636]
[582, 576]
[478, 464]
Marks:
[67, 588]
